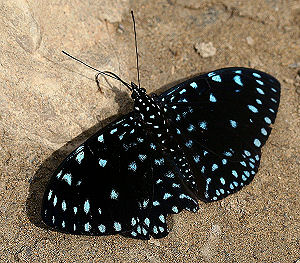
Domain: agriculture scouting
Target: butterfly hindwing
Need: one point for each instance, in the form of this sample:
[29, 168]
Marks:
[169, 197]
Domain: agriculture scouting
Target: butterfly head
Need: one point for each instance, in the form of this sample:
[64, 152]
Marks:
[137, 92]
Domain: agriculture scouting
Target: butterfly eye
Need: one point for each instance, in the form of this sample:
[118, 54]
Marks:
[129, 176]
[134, 95]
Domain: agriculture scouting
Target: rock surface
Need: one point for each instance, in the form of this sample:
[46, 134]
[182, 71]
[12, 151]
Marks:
[49, 104]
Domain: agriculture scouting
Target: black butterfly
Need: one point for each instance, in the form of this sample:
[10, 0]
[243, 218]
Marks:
[201, 139]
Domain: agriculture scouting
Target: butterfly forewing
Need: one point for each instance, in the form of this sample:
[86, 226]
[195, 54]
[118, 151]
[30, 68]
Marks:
[99, 188]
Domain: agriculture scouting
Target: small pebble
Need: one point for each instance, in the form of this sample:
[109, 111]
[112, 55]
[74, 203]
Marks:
[250, 41]
[205, 50]
[295, 65]
[154, 242]
[120, 29]
[288, 81]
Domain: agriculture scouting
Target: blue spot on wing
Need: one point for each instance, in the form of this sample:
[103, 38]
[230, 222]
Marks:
[217, 78]
[237, 80]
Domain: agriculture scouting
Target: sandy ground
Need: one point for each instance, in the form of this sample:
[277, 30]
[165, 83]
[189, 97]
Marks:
[49, 104]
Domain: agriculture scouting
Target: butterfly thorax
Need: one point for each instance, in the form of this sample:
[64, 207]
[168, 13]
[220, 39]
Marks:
[149, 112]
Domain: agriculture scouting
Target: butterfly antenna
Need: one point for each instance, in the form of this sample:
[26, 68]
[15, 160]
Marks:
[136, 50]
[105, 73]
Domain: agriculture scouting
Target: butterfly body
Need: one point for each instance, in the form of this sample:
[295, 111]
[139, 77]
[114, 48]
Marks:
[200, 139]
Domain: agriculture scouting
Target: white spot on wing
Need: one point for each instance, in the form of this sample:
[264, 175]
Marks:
[212, 98]
[194, 85]
[203, 125]
[147, 221]
[142, 157]
[162, 218]
[87, 227]
[256, 75]
[191, 128]
[161, 229]
[189, 143]
[267, 120]
[100, 138]
[166, 196]
[222, 180]
[133, 221]
[260, 91]
[113, 131]
[152, 146]
[55, 200]
[214, 167]
[114, 195]
[169, 174]
[237, 80]
[80, 157]
[156, 203]
[175, 209]
[132, 166]
[68, 178]
[196, 158]
[259, 82]
[217, 78]
[86, 206]
[274, 90]
[117, 226]
[102, 162]
[50, 194]
[63, 205]
[59, 175]
[233, 123]
[263, 131]
[257, 143]
[159, 161]
[102, 228]
[208, 180]
[252, 108]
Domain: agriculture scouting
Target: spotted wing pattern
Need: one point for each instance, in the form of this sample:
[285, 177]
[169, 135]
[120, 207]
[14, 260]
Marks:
[104, 186]
[117, 182]
[223, 118]
[201, 139]
[170, 196]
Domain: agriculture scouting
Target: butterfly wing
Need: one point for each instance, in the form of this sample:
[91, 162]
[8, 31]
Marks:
[223, 119]
[118, 181]
[170, 196]
[101, 187]
[122, 180]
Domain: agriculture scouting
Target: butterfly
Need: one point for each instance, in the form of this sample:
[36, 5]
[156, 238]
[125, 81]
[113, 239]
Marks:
[199, 140]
